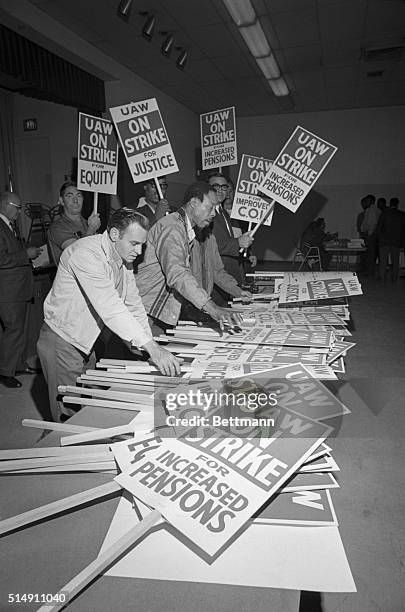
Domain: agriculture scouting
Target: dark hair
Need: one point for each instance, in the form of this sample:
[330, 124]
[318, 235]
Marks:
[65, 186]
[319, 221]
[197, 190]
[371, 198]
[151, 181]
[123, 217]
[394, 202]
[216, 174]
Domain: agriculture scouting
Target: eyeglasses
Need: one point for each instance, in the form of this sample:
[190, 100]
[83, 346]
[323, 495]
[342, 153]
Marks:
[219, 187]
[16, 205]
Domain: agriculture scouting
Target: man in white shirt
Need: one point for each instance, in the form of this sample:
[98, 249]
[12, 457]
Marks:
[95, 287]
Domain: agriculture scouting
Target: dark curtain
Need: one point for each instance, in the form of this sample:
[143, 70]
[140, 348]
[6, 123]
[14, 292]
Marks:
[46, 76]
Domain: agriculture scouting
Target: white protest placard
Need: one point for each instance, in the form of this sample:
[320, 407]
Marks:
[97, 156]
[296, 168]
[318, 286]
[247, 204]
[209, 487]
[299, 508]
[283, 318]
[202, 370]
[144, 139]
[302, 557]
[218, 138]
[239, 353]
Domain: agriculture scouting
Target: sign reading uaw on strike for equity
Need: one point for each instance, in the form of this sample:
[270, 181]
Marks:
[144, 139]
[297, 167]
[218, 138]
[247, 204]
[97, 155]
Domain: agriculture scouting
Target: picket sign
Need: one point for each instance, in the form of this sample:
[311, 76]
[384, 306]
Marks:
[103, 467]
[50, 451]
[97, 567]
[101, 434]
[56, 507]
[262, 220]
[99, 403]
[107, 394]
[38, 462]
[67, 427]
[95, 202]
[120, 384]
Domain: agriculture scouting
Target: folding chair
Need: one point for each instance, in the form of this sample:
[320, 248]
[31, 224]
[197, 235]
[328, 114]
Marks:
[307, 255]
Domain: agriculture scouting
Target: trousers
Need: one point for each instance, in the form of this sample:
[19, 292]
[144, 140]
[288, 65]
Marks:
[13, 337]
[61, 364]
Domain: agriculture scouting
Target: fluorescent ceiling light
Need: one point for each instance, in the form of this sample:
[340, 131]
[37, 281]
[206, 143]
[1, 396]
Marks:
[279, 86]
[241, 11]
[256, 40]
[268, 66]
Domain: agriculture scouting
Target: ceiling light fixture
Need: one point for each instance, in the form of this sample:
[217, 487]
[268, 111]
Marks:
[241, 11]
[250, 28]
[149, 27]
[255, 39]
[167, 44]
[124, 9]
[182, 59]
[268, 66]
[278, 86]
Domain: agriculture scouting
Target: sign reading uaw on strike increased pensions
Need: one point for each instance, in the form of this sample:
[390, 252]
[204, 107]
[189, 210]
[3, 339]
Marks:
[297, 167]
[247, 204]
[209, 487]
[218, 138]
[144, 139]
[97, 155]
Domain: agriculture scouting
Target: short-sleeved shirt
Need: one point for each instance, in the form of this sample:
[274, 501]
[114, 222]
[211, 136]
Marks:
[62, 229]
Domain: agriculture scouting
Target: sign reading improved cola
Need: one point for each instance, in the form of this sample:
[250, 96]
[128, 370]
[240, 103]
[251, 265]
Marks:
[97, 155]
[247, 204]
[144, 139]
[218, 138]
[296, 168]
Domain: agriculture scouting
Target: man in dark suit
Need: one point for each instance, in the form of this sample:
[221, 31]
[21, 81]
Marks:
[228, 245]
[16, 291]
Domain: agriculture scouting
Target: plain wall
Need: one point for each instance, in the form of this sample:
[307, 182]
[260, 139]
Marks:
[370, 159]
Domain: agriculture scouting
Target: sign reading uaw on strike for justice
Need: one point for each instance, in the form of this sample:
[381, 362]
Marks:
[144, 139]
[97, 155]
[297, 167]
[218, 138]
[247, 204]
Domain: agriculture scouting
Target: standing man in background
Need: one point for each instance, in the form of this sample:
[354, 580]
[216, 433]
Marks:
[16, 292]
[369, 230]
[150, 205]
[70, 225]
[391, 238]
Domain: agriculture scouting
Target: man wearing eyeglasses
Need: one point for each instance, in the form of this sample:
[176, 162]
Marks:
[70, 225]
[16, 291]
[228, 245]
[151, 205]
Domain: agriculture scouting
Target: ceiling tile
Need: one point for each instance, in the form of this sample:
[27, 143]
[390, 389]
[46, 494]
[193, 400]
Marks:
[296, 27]
[336, 54]
[281, 6]
[303, 57]
[385, 17]
[342, 21]
[214, 39]
[203, 70]
[342, 77]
